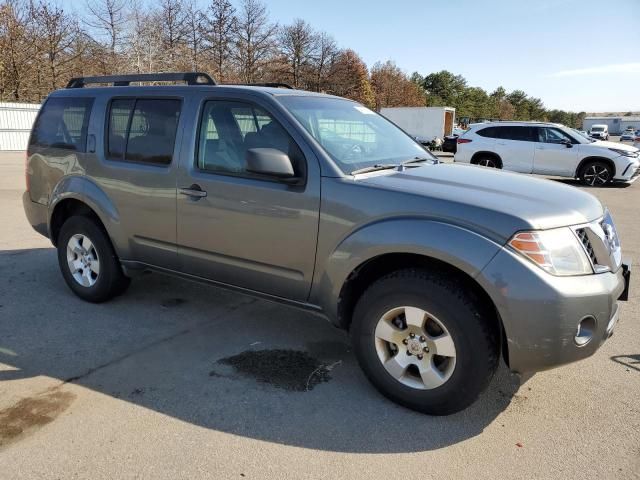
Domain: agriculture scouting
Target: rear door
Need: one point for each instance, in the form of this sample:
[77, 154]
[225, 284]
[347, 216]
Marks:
[240, 228]
[554, 152]
[515, 145]
[136, 168]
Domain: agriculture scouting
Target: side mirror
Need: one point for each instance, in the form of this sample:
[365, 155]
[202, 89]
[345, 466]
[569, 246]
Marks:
[269, 161]
[567, 143]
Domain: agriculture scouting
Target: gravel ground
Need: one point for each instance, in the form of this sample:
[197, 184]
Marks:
[177, 380]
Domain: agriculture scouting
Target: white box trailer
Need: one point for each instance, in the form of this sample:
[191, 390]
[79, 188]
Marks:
[423, 123]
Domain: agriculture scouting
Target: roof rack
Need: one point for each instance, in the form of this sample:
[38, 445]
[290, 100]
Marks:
[265, 84]
[190, 78]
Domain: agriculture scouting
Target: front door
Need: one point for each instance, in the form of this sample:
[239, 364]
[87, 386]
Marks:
[240, 228]
[554, 153]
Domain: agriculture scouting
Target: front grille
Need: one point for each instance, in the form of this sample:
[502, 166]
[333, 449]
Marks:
[582, 235]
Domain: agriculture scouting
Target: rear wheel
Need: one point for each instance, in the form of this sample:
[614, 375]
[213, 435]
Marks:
[423, 343]
[596, 174]
[88, 262]
[487, 161]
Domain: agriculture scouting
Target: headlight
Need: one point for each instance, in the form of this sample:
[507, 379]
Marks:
[626, 153]
[556, 251]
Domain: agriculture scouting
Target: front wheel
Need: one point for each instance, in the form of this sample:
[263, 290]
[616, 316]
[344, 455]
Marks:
[88, 262]
[423, 342]
[596, 174]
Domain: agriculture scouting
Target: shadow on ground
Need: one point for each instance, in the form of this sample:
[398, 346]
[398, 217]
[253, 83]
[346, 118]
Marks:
[576, 183]
[170, 346]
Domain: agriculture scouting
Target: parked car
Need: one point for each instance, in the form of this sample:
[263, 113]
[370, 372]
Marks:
[547, 149]
[581, 132]
[436, 270]
[628, 136]
[599, 132]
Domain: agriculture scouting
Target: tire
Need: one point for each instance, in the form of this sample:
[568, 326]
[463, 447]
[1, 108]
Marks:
[595, 173]
[487, 161]
[83, 245]
[409, 294]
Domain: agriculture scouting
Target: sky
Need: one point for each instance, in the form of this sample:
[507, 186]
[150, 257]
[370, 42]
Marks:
[578, 55]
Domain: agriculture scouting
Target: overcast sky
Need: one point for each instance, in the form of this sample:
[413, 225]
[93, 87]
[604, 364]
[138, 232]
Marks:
[573, 54]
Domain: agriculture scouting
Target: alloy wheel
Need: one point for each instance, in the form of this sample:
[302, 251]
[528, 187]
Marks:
[415, 348]
[596, 175]
[83, 261]
[487, 162]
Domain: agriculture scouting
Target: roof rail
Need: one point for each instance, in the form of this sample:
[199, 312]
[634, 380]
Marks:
[265, 84]
[190, 78]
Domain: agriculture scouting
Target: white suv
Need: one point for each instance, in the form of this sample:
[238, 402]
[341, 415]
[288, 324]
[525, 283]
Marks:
[547, 149]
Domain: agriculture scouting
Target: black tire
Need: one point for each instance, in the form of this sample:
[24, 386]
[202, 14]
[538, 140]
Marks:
[110, 281]
[595, 173]
[488, 161]
[476, 342]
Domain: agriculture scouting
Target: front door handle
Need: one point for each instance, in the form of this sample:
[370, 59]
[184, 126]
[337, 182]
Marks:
[193, 191]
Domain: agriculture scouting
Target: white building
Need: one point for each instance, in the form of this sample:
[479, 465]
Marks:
[16, 120]
[616, 125]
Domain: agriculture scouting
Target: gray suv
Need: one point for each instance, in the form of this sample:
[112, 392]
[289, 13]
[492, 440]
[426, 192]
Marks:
[436, 270]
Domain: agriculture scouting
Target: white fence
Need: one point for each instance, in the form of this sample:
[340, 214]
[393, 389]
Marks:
[16, 120]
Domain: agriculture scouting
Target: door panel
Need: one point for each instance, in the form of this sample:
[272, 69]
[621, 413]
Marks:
[551, 156]
[248, 231]
[143, 189]
[515, 146]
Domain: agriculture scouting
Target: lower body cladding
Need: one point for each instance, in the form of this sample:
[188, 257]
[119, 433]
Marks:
[548, 320]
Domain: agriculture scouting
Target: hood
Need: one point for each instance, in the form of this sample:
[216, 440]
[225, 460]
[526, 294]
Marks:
[616, 145]
[488, 200]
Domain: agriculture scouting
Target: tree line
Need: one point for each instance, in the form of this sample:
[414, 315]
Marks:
[43, 46]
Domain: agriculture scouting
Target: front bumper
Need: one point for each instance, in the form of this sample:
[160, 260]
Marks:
[541, 313]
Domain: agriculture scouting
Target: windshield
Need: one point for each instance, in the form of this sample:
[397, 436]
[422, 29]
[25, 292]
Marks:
[597, 129]
[582, 137]
[353, 136]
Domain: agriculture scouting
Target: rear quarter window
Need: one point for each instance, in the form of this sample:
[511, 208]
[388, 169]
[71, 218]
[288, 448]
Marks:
[62, 123]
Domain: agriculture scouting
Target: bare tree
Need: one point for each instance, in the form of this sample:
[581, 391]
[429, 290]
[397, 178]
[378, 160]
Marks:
[254, 40]
[173, 25]
[56, 32]
[297, 44]
[194, 26]
[218, 30]
[16, 45]
[108, 17]
[326, 53]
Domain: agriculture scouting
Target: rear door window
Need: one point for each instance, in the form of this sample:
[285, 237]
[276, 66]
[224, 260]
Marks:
[63, 124]
[520, 134]
[142, 130]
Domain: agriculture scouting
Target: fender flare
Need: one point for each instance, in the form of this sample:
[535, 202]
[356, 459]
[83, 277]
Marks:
[88, 192]
[455, 245]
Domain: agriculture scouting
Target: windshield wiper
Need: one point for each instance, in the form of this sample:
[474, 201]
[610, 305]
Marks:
[385, 166]
[416, 160]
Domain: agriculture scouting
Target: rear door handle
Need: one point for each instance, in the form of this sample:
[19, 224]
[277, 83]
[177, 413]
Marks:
[193, 191]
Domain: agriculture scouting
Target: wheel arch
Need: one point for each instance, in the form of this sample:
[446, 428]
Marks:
[79, 196]
[476, 156]
[595, 158]
[375, 268]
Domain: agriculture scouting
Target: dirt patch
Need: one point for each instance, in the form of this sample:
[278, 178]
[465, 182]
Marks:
[32, 413]
[291, 370]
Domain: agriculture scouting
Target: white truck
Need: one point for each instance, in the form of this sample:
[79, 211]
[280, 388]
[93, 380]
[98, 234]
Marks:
[422, 123]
